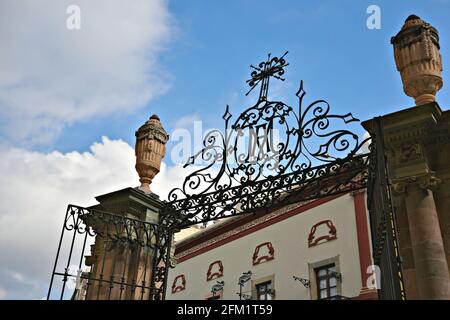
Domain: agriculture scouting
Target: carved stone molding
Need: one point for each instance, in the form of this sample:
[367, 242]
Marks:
[330, 234]
[410, 152]
[215, 270]
[399, 186]
[439, 136]
[179, 283]
[428, 182]
[269, 253]
[425, 182]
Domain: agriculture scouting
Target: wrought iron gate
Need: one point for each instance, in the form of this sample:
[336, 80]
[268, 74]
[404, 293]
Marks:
[102, 256]
[271, 155]
[382, 220]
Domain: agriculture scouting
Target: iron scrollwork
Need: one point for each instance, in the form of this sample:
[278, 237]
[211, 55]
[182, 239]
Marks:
[110, 257]
[114, 227]
[305, 282]
[271, 152]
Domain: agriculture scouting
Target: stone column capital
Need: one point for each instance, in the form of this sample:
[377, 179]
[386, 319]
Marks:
[427, 181]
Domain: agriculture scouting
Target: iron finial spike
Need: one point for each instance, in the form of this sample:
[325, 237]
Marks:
[300, 91]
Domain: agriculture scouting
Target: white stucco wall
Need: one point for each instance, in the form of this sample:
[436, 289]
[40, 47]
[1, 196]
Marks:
[289, 238]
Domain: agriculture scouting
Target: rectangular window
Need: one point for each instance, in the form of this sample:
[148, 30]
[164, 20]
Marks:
[264, 291]
[326, 282]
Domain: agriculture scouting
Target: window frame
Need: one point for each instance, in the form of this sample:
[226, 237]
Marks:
[330, 274]
[266, 293]
[257, 281]
[312, 274]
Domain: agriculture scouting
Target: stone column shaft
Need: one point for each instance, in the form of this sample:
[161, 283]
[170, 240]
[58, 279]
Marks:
[433, 280]
[443, 206]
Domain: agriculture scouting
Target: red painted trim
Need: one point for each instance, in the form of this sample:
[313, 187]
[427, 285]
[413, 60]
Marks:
[257, 259]
[177, 288]
[248, 231]
[214, 275]
[312, 241]
[362, 230]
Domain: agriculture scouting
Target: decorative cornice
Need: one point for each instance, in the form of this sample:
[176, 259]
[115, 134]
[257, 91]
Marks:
[412, 132]
[439, 136]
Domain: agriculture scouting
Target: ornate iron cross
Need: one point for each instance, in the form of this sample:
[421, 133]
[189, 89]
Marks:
[272, 67]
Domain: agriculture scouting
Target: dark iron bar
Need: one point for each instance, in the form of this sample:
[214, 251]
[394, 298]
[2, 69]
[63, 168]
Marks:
[57, 255]
[69, 258]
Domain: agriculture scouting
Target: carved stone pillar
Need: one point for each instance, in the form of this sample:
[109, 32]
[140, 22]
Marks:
[404, 242]
[417, 148]
[443, 206]
[432, 276]
[408, 136]
[439, 149]
[116, 264]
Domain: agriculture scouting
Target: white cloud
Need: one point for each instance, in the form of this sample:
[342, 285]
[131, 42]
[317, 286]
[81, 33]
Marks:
[365, 146]
[187, 122]
[52, 76]
[35, 189]
[3, 294]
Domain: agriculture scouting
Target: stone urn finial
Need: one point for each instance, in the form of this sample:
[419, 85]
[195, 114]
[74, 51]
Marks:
[151, 139]
[416, 52]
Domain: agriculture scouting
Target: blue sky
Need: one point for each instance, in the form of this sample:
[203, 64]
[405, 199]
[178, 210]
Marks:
[329, 45]
[70, 101]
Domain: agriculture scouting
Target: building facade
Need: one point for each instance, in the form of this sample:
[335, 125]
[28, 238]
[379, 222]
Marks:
[313, 250]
